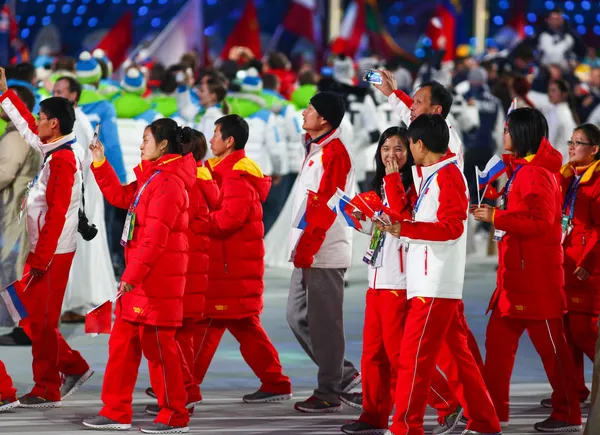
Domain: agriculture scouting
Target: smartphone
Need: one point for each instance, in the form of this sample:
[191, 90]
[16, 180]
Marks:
[372, 76]
[180, 77]
[95, 138]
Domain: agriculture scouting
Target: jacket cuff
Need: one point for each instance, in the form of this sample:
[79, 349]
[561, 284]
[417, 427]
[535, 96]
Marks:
[37, 262]
[100, 163]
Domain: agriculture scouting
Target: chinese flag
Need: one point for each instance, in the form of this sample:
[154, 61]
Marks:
[99, 320]
[368, 202]
[318, 212]
[117, 41]
[246, 33]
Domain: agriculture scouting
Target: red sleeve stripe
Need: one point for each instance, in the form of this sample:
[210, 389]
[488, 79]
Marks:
[405, 98]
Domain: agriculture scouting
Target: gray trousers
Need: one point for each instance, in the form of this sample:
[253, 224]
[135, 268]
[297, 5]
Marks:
[315, 314]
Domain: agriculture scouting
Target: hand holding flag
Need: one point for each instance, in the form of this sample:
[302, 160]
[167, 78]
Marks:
[99, 319]
[492, 171]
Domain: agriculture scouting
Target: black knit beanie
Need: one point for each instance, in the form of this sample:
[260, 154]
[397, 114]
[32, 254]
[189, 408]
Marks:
[331, 106]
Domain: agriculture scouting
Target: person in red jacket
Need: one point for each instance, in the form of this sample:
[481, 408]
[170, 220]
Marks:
[580, 183]
[234, 299]
[8, 393]
[204, 196]
[529, 290]
[156, 254]
[53, 202]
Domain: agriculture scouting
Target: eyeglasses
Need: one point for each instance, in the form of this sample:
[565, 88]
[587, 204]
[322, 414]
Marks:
[40, 119]
[505, 130]
[573, 144]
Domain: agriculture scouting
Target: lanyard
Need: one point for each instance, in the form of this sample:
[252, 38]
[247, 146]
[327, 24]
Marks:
[426, 187]
[571, 197]
[137, 198]
[507, 187]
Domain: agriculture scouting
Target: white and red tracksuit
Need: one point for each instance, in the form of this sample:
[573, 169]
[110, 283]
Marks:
[384, 321]
[434, 321]
[52, 219]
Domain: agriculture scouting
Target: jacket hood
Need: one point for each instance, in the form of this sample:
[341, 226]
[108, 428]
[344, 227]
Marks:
[183, 167]
[546, 157]
[586, 175]
[242, 166]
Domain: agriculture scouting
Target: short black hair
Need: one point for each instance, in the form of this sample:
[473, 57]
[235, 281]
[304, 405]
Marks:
[74, 86]
[234, 126]
[61, 109]
[307, 78]
[432, 130]
[167, 129]
[25, 95]
[526, 127]
[440, 96]
[270, 81]
[25, 71]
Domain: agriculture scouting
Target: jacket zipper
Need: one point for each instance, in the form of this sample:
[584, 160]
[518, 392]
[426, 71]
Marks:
[425, 260]
[401, 260]
[225, 259]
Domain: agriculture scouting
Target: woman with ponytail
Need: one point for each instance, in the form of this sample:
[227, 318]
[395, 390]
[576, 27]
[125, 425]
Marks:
[529, 291]
[150, 307]
[580, 182]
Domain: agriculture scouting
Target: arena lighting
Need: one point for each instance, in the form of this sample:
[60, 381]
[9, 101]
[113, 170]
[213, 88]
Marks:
[130, 2]
[142, 11]
[420, 53]
[25, 33]
[569, 6]
[410, 20]
[579, 18]
[100, 1]
[531, 17]
[77, 21]
[529, 30]
[147, 2]
[116, 2]
[549, 5]
[162, 2]
[394, 20]
[427, 41]
[46, 21]
[31, 20]
[209, 31]
[586, 5]
[498, 20]
[597, 30]
[50, 9]
[65, 9]
[81, 9]
[92, 22]
[155, 22]
[598, 17]
[581, 29]
[212, 2]
[504, 4]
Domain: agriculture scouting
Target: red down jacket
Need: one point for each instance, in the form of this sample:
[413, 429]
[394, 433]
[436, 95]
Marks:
[582, 245]
[157, 256]
[530, 274]
[237, 249]
[204, 196]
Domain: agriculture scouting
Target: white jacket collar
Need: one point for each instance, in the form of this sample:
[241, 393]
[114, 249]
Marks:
[318, 145]
[422, 173]
[50, 146]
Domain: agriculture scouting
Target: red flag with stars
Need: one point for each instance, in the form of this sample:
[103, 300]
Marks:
[246, 33]
[99, 319]
[318, 212]
[368, 202]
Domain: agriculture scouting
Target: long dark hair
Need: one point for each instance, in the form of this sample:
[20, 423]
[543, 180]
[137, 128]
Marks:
[405, 171]
[167, 129]
[193, 141]
[527, 127]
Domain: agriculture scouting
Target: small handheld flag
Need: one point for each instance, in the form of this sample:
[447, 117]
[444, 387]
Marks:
[341, 203]
[99, 319]
[300, 218]
[10, 296]
[494, 168]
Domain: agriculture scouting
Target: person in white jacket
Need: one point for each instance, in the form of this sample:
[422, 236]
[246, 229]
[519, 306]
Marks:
[386, 295]
[91, 280]
[431, 98]
[435, 327]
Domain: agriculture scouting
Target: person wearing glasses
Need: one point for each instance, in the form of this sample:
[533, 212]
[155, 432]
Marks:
[529, 291]
[580, 184]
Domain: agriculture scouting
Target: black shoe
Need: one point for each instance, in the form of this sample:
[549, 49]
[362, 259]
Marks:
[354, 400]
[152, 410]
[264, 397]
[9, 403]
[547, 403]
[449, 423]
[552, 425]
[163, 428]
[353, 382]
[72, 383]
[150, 392]
[16, 337]
[100, 422]
[315, 405]
[362, 428]
[31, 401]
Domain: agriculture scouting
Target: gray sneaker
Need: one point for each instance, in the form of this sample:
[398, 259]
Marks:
[163, 428]
[449, 423]
[264, 397]
[362, 428]
[100, 422]
[31, 401]
[551, 425]
[353, 382]
[72, 383]
[354, 400]
[472, 432]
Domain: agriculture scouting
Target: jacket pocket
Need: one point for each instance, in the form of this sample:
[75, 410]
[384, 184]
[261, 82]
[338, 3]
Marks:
[426, 249]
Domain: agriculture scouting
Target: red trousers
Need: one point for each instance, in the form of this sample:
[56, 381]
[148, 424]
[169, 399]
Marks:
[548, 337]
[185, 344]
[446, 388]
[125, 347]
[431, 325]
[382, 335]
[43, 299]
[7, 390]
[255, 346]
[581, 331]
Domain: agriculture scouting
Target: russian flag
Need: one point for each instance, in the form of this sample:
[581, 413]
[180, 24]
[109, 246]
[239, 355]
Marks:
[300, 218]
[10, 296]
[492, 171]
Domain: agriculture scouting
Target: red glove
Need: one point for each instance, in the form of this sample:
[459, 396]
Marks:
[309, 244]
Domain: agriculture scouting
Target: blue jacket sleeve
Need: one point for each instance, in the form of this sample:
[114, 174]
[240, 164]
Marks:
[109, 136]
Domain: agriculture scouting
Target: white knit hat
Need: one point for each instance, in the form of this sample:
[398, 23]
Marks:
[88, 69]
[101, 55]
[134, 81]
